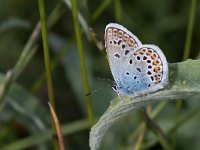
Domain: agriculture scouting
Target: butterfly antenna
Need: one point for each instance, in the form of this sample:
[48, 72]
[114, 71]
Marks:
[111, 84]
[110, 81]
[89, 93]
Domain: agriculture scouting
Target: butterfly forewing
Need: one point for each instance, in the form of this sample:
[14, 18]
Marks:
[120, 44]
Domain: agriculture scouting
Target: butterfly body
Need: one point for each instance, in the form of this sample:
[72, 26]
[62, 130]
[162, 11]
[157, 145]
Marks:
[137, 68]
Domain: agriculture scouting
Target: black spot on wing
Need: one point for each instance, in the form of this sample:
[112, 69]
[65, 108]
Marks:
[117, 55]
[126, 52]
[138, 69]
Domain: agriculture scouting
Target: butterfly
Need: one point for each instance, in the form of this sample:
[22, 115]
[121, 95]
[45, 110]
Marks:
[137, 68]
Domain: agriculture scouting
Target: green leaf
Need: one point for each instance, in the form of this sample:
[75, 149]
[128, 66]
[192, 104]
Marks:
[13, 23]
[184, 84]
[24, 108]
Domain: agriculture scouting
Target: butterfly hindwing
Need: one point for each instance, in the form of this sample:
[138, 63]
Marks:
[145, 70]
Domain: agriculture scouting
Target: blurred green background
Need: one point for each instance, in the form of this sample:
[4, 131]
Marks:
[25, 113]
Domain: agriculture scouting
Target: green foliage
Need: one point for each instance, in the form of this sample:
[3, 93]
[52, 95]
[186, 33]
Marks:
[25, 120]
[180, 87]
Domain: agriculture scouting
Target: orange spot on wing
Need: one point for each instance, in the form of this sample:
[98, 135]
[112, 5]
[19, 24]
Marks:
[157, 78]
[156, 62]
[149, 52]
[142, 51]
[125, 37]
[115, 32]
[120, 34]
[131, 42]
[156, 69]
[153, 57]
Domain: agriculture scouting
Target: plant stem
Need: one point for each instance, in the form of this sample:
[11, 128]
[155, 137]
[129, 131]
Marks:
[58, 129]
[186, 54]
[140, 137]
[157, 130]
[189, 30]
[47, 66]
[82, 62]
[118, 11]
[46, 53]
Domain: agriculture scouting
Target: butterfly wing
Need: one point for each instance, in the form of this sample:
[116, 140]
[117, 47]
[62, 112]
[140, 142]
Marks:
[146, 70]
[120, 44]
